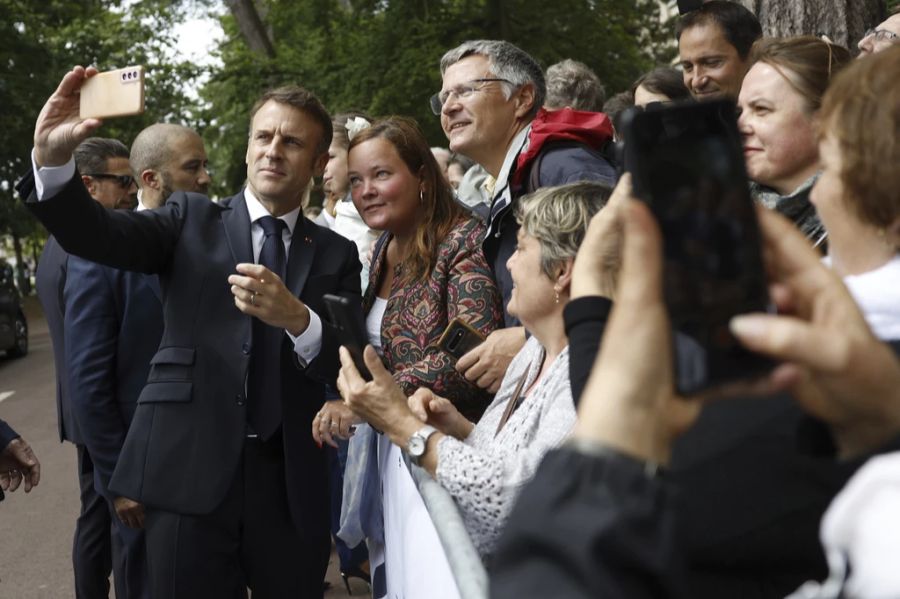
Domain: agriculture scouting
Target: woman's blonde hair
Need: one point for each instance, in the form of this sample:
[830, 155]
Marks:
[558, 218]
[861, 111]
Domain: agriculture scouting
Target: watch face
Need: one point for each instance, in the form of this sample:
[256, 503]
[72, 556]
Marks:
[416, 445]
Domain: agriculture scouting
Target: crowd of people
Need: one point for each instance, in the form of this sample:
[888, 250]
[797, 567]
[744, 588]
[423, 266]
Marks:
[225, 439]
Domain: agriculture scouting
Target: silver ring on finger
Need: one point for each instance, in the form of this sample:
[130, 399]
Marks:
[253, 299]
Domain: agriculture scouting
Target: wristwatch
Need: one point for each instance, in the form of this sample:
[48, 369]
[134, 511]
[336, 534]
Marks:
[418, 442]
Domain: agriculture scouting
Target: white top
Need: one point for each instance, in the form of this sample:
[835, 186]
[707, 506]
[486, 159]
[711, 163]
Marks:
[485, 472]
[349, 224]
[861, 535]
[373, 322]
[877, 293]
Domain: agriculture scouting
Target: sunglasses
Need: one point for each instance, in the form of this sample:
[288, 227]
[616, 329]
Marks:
[124, 181]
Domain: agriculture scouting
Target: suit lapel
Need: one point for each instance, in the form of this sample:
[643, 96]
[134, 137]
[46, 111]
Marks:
[237, 228]
[301, 256]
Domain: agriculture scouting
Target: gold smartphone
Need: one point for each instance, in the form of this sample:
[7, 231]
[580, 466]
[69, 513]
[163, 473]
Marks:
[459, 338]
[113, 93]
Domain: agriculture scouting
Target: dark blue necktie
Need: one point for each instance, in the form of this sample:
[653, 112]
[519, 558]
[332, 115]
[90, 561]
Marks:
[264, 378]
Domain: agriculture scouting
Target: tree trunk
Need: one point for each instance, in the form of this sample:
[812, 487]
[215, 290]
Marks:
[250, 22]
[22, 277]
[843, 21]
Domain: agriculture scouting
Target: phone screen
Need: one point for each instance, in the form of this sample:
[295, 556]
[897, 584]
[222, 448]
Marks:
[351, 328]
[687, 164]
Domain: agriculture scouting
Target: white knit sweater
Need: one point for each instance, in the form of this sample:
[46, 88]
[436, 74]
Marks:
[486, 471]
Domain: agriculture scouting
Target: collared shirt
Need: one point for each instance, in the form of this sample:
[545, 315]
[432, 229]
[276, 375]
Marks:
[50, 180]
[501, 194]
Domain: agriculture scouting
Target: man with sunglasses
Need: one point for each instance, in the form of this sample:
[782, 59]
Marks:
[882, 37]
[106, 175]
[490, 95]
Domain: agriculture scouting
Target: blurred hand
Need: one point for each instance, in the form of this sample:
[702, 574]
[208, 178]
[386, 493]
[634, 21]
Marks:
[335, 419]
[600, 255]
[130, 512]
[440, 413]
[486, 364]
[834, 366]
[18, 465]
[59, 129]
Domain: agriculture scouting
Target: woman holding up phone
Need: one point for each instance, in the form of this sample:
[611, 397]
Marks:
[427, 269]
[484, 465]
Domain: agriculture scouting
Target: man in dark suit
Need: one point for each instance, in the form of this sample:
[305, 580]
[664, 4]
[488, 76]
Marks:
[106, 175]
[113, 327]
[17, 462]
[219, 450]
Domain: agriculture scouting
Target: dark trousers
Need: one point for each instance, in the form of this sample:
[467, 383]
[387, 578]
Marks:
[248, 541]
[92, 551]
[129, 560]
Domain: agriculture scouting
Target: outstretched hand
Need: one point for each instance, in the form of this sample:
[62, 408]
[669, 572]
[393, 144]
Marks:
[59, 129]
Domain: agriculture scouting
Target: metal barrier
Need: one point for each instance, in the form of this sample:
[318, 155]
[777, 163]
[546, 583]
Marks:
[465, 563]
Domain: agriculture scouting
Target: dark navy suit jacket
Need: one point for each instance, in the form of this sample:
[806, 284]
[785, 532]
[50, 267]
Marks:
[51, 279]
[7, 434]
[112, 330]
[189, 427]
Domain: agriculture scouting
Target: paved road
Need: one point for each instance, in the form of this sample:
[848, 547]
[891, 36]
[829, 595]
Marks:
[36, 529]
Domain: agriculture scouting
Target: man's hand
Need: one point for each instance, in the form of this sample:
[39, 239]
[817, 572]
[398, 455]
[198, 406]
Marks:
[835, 367]
[130, 512]
[59, 129]
[261, 293]
[600, 254]
[335, 419]
[486, 364]
[17, 465]
[440, 413]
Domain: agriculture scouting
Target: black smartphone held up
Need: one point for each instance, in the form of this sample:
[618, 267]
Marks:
[687, 163]
[348, 320]
[459, 338]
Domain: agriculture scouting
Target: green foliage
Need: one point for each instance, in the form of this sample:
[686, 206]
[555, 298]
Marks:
[382, 56]
[40, 41]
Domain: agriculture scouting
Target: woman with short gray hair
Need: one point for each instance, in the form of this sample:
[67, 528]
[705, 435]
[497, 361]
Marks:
[484, 465]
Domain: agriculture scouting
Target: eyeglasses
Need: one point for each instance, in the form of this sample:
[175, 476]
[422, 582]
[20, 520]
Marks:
[124, 181]
[881, 34]
[461, 92]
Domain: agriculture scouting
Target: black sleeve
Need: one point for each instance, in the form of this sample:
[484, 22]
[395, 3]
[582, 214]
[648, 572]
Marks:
[585, 319]
[589, 526]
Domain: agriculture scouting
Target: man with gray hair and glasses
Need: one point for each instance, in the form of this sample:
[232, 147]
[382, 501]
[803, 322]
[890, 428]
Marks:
[490, 95]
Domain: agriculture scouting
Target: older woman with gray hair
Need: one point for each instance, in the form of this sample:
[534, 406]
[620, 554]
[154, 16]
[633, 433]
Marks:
[484, 465]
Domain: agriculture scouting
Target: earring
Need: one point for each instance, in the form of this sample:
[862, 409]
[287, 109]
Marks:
[556, 293]
[421, 196]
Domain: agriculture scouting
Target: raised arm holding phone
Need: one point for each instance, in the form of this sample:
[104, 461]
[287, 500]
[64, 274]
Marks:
[220, 435]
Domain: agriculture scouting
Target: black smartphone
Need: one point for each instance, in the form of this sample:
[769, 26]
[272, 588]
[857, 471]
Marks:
[687, 163]
[347, 317]
[459, 338]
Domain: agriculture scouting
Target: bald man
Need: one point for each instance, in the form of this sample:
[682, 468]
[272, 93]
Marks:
[167, 158]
